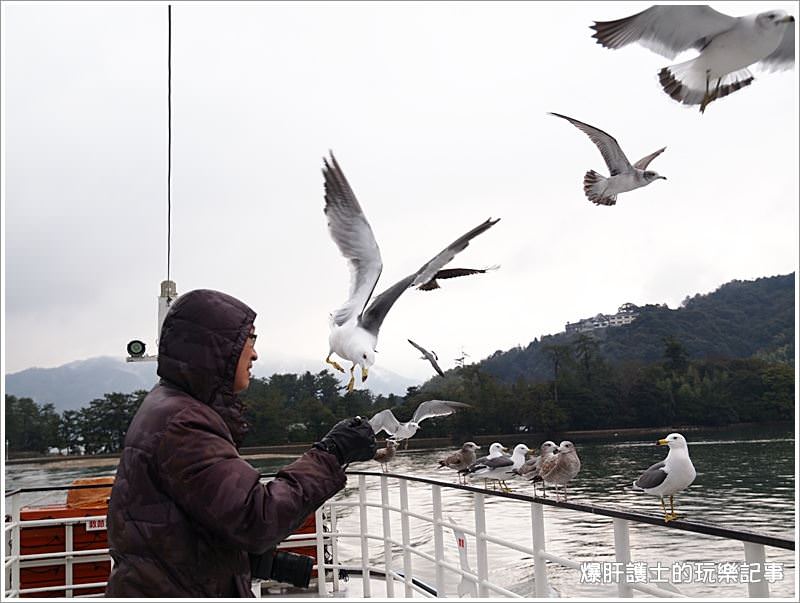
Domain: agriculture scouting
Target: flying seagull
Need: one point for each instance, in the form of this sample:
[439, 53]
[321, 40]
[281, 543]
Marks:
[386, 421]
[670, 476]
[354, 326]
[429, 356]
[453, 273]
[727, 45]
[623, 177]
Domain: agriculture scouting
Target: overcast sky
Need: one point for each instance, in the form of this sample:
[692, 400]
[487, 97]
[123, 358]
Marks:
[437, 114]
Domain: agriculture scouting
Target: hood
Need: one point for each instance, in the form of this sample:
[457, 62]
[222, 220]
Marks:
[201, 340]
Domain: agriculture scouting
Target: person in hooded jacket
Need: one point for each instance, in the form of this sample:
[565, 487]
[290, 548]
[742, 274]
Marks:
[186, 512]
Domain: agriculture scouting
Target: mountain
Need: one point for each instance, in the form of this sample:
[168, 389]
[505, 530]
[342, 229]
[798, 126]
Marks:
[741, 319]
[74, 385]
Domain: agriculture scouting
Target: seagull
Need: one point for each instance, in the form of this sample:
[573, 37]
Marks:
[385, 455]
[496, 450]
[453, 273]
[727, 45]
[670, 476]
[562, 467]
[499, 468]
[429, 356]
[530, 469]
[460, 459]
[623, 177]
[386, 421]
[354, 326]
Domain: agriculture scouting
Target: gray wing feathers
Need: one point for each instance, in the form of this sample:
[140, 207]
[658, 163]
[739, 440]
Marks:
[645, 161]
[372, 318]
[783, 57]
[436, 408]
[609, 148]
[652, 477]
[666, 30]
[498, 462]
[353, 236]
[384, 420]
[429, 356]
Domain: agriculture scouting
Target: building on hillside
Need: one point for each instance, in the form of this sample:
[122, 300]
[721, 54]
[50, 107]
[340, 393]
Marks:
[625, 315]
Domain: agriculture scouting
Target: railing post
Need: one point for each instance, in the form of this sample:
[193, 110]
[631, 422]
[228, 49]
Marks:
[334, 549]
[540, 564]
[438, 539]
[16, 537]
[622, 550]
[404, 525]
[362, 506]
[322, 587]
[68, 560]
[387, 536]
[480, 546]
[754, 553]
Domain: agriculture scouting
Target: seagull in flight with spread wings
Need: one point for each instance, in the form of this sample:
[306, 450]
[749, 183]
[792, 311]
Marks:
[429, 356]
[623, 176]
[354, 326]
[727, 45]
[386, 421]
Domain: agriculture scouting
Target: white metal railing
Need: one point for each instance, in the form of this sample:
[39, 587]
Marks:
[394, 569]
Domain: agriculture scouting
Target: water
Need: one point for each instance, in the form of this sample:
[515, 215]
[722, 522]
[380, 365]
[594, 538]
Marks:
[745, 480]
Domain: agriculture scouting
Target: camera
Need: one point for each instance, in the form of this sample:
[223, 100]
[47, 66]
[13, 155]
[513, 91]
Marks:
[282, 566]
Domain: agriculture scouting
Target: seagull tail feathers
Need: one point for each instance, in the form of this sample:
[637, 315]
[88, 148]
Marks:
[593, 185]
[687, 83]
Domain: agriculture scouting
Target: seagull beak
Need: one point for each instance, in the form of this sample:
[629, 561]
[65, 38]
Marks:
[364, 374]
[662, 443]
[787, 19]
[663, 177]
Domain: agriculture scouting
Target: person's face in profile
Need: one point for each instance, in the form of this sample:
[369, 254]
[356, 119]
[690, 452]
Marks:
[242, 378]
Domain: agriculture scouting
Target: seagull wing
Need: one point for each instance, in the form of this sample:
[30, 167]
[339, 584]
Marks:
[429, 356]
[352, 233]
[386, 421]
[609, 148]
[666, 30]
[645, 161]
[652, 477]
[436, 408]
[783, 57]
[373, 316]
[454, 273]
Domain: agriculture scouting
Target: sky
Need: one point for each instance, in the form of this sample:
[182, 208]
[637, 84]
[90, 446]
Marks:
[437, 114]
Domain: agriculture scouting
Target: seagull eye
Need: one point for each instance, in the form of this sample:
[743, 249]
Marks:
[364, 356]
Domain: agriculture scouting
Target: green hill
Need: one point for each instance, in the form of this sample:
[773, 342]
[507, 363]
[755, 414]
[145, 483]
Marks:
[741, 319]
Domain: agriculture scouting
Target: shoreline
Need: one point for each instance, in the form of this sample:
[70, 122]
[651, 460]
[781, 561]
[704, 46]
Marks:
[292, 451]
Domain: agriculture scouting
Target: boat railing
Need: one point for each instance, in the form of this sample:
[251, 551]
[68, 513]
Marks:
[395, 569]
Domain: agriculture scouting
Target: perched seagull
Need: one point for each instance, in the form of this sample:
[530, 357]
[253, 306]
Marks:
[670, 476]
[727, 45]
[496, 450]
[460, 459]
[499, 468]
[429, 356]
[562, 467]
[623, 176]
[385, 455]
[530, 469]
[386, 421]
[354, 326]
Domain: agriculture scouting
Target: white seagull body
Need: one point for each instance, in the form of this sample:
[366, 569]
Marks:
[727, 45]
[354, 326]
[386, 421]
[670, 476]
[623, 176]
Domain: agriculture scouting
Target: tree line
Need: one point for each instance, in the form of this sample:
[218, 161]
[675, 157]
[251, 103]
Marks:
[584, 391]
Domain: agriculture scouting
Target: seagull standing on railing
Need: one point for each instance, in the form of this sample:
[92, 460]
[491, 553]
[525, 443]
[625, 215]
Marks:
[670, 476]
[460, 459]
[562, 467]
[354, 326]
[386, 421]
[530, 469]
[385, 455]
[496, 450]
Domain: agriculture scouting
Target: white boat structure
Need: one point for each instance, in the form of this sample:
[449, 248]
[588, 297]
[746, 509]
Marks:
[369, 543]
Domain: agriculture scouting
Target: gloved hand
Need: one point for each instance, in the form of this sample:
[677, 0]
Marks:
[350, 440]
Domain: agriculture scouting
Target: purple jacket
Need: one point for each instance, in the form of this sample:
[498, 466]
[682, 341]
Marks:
[186, 509]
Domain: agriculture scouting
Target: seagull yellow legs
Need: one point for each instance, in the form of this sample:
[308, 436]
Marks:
[352, 379]
[334, 364]
[672, 515]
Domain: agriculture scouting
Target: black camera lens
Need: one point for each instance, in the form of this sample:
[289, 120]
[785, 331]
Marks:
[292, 568]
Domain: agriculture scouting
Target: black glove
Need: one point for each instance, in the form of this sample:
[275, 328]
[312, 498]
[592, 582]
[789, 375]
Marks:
[350, 440]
